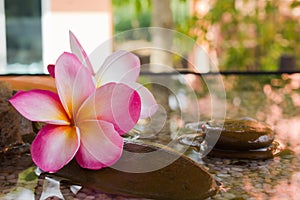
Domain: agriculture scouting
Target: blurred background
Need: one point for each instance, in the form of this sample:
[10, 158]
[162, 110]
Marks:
[234, 35]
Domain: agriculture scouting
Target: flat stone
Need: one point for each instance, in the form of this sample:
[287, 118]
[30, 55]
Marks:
[240, 134]
[6, 90]
[258, 154]
[181, 179]
[228, 195]
[10, 133]
[12, 125]
[223, 175]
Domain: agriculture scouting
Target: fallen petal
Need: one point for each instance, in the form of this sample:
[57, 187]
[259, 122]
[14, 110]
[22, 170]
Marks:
[40, 105]
[54, 146]
[100, 146]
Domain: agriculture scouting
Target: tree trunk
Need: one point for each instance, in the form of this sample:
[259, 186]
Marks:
[162, 39]
[161, 58]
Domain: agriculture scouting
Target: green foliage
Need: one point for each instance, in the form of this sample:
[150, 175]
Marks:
[28, 175]
[17, 8]
[130, 14]
[252, 35]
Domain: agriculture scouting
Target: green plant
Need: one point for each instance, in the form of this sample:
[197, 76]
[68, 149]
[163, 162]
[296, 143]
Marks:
[250, 35]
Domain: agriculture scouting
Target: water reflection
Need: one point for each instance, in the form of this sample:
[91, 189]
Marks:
[17, 180]
[274, 99]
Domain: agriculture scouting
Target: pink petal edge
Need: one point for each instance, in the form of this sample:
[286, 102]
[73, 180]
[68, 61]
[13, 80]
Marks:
[101, 146]
[51, 70]
[40, 105]
[78, 50]
[115, 103]
[149, 105]
[73, 81]
[54, 147]
[121, 66]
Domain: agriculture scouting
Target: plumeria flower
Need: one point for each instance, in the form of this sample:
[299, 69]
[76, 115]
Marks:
[82, 121]
[121, 67]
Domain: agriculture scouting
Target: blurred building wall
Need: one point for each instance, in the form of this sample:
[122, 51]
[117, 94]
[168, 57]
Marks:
[89, 20]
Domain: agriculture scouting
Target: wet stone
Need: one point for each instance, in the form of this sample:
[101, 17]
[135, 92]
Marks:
[13, 126]
[237, 169]
[182, 179]
[264, 153]
[236, 139]
[223, 175]
[240, 134]
[228, 195]
[236, 174]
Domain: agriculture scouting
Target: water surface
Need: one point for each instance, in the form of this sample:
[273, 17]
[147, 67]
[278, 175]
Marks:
[274, 99]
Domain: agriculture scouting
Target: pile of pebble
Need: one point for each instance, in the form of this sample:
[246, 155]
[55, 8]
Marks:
[242, 139]
[238, 138]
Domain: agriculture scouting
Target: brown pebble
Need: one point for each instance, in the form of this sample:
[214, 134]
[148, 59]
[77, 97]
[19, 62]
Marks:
[240, 134]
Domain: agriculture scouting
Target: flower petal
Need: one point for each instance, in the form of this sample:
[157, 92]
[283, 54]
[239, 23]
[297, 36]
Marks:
[40, 105]
[120, 66]
[114, 102]
[73, 81]
[100, 146]
[51, 70]
[149, 105]
[54, 146]
[77, 49]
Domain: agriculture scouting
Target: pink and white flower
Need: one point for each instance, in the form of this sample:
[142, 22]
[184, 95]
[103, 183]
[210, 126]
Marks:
[83, 121]
[121, 67]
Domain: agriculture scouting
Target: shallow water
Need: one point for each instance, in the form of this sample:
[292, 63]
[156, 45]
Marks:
[274, 99]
